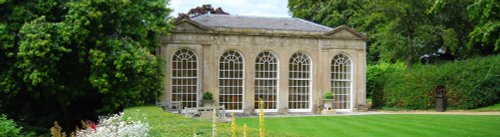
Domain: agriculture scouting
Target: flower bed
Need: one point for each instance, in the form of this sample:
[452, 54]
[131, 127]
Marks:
[116, 126]
[165, 124]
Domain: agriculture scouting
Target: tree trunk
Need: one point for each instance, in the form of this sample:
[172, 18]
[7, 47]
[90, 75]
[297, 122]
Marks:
[409, 63]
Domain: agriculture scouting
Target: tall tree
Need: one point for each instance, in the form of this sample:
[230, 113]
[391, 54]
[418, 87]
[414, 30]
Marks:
[397, 30]
[407, 32]
[328, 12]
[476, 23]
[396, 22]
[69, 60]
[486, 33]
[200, 10]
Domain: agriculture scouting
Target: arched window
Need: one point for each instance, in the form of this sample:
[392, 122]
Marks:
[341, 74]
[299, 82]
[266, 80]
[231, 70]
[184, 78]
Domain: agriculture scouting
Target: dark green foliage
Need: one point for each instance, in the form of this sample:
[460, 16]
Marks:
[207, 96]
[328, 12]
[72, 60]
[412, 31]
[375, 75]
[487, 32]
[469, 84]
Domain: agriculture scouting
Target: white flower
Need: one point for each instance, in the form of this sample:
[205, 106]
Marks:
[115, 126]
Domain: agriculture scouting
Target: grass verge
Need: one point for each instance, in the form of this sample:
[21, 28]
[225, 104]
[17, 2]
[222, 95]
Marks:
[495, 107]
[165, 124]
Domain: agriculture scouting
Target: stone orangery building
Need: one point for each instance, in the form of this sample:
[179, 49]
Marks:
[289, 63]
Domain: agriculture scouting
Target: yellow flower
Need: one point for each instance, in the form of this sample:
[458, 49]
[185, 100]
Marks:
[214, 126]
[233, 125]
[261, 118]
[245, 130]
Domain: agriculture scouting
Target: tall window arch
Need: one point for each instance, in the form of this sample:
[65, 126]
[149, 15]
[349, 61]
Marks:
[341, 81]
[231, 90]
[266, 80]
[300, 69]
[184, 78]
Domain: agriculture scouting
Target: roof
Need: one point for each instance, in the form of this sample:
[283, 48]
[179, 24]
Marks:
[248, 25]
[267, 23]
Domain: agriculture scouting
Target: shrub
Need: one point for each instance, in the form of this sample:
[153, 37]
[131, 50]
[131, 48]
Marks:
[328, 95]
[8, 127]
[376, 77]
[63, 67]
[469, 84]
[207, 96]
[56, 131]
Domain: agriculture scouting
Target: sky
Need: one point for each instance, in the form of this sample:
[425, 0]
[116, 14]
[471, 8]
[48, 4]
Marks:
[265, 8]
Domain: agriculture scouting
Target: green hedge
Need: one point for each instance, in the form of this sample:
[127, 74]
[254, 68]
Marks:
[469, 84]
[376, 71]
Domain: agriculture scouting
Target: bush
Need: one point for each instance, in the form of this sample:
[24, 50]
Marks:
[469, 84]
[328, 95]
[375, 77]
[72, 60]
[8, 127]
[207, 96]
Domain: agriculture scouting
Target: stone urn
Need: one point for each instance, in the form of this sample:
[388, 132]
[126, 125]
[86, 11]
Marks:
[207, 103]
[328, 104]
[328, 108]
[207, 99]
[328, 101]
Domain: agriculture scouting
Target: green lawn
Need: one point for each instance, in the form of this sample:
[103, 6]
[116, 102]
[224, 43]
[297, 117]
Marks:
[166, 124]
[495, 107]
[382, 125]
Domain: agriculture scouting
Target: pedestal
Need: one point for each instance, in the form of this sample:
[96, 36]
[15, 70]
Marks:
[328, 112]
[206, 114]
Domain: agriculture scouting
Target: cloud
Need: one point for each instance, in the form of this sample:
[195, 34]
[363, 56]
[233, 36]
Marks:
[268, 8]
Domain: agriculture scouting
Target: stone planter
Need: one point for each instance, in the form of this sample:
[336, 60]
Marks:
[207, 103]
[328, 107]
[206, 114]
[328, 104]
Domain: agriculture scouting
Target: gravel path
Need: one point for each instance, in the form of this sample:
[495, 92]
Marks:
[453, 112]
[445, 113]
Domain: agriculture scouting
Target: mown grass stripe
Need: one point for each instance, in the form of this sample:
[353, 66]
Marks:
[390, 125]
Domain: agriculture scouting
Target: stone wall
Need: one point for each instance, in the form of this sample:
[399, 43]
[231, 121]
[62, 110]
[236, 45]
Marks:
[210, 46]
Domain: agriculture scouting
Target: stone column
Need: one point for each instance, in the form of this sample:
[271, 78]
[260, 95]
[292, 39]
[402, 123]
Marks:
[248, 105]
[210, 70]
[361, 81]
[283, 80]
[166, 93]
